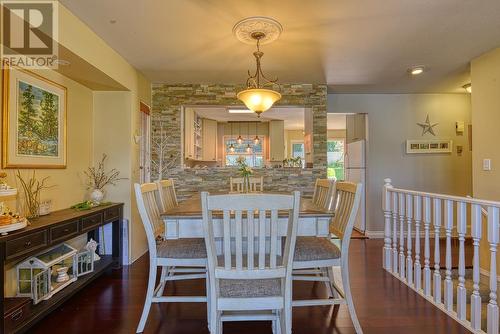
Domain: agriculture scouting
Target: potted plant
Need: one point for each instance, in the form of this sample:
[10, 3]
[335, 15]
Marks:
[98, 178]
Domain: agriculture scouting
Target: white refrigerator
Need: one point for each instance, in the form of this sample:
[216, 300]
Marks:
[355, 171]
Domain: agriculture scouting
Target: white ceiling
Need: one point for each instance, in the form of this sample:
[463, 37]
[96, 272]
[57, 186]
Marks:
[293, 117]
[352, 45]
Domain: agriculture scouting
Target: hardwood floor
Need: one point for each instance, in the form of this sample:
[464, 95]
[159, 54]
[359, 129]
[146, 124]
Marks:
[113, 304]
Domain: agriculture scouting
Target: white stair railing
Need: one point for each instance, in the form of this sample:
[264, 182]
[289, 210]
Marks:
[444, 218]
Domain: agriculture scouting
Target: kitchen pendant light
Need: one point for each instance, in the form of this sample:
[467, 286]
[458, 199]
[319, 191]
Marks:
[249, 148]
[239, 140]
[259, 95]
[256, 140]
[231, 146]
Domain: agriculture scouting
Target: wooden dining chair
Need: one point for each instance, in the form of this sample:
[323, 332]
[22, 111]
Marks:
[317, 252]
[168, 198]
[256, 184]
[251, 279]
[324, 191]
[166, 254]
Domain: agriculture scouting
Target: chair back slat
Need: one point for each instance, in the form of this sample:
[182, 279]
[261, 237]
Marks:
[347, 199]
[251, 242]
[324, 190]
[168, 198]
[256, 184]
[147, 202]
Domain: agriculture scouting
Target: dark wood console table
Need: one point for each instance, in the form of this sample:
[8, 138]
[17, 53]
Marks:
[45, 232]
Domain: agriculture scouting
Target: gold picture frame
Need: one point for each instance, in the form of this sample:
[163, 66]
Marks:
[34, 121]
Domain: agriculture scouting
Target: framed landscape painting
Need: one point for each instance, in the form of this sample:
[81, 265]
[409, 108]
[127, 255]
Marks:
[33, 122]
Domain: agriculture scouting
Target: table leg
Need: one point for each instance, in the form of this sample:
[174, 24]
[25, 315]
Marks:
[117, 243]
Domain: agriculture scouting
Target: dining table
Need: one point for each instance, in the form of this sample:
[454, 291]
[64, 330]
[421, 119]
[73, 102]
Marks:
[186, 220]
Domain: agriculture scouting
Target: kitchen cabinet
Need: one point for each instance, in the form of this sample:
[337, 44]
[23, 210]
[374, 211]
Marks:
[355, 127]
[209, 142]
[276, 141]
[192, 135]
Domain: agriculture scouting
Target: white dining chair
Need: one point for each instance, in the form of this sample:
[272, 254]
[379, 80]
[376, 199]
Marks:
[317, 252]
[256, 184]
[324, 191]
[251, 278]
[168, 198]
[166, 254]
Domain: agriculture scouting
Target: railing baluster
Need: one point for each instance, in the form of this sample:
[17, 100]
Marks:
[409, 260]
[427, 248]
[394, 233]
[492, 309]
[386, 253]
[417, 215]
[461, 230]
[448, 284]
[401, 235]
[437, 255]
[475, 299]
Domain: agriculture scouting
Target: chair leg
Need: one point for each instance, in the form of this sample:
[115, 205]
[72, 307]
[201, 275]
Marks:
[209, 314]
[331, 284]
[163, 283]
[287, 310]
[348, 297]
[149, 296]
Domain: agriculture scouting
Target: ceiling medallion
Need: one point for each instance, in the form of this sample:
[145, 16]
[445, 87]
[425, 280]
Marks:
[427, 127]
[259, 95]
[244, 29]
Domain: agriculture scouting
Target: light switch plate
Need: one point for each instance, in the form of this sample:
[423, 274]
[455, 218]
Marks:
[486, 164]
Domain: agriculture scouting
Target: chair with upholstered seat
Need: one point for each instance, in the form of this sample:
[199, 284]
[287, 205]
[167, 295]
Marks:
[256, 184]
[166, 254]
[316, 252]
[250, 279]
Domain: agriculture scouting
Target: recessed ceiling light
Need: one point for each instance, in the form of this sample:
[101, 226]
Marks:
[239, 111]
[416, 70]
[112, 21]
[62, 62]
[468, 88]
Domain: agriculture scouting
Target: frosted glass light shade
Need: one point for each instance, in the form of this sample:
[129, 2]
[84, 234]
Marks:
[258, 100]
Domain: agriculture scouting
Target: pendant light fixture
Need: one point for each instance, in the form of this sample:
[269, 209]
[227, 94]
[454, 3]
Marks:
[256, 140]
[231, 147]
[239, 140]
[259, 95]
[249, 148]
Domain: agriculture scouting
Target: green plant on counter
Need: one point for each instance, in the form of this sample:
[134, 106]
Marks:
[87, 205]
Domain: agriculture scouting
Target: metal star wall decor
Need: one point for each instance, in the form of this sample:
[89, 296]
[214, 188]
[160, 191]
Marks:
[427, 127]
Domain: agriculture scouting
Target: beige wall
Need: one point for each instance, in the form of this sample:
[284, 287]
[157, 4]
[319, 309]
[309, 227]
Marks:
[485, 74]
[392, 119]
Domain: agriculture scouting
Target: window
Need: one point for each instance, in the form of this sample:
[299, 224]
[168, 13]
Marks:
[335, 156]
[298, 150]
[254, 158]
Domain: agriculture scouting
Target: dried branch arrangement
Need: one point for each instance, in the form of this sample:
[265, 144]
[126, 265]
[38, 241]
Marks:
[159, 147]
[32, 187]
[98, 178]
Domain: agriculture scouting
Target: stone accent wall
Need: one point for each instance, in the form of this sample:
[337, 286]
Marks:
[192, 180]
[168, 101]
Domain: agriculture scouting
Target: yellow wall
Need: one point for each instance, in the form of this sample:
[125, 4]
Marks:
[69, 183]
[485, 74]
[292, 135]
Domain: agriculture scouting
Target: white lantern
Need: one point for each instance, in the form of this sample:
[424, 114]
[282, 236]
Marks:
[43, 275]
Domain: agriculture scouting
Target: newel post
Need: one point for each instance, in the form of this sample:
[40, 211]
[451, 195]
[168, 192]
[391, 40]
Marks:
[386, 207]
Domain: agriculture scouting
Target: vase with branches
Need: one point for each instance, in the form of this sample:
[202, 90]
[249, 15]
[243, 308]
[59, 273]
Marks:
[98, 178]
[32, 187]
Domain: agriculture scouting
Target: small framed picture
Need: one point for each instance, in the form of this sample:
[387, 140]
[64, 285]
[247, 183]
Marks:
[429, 146]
